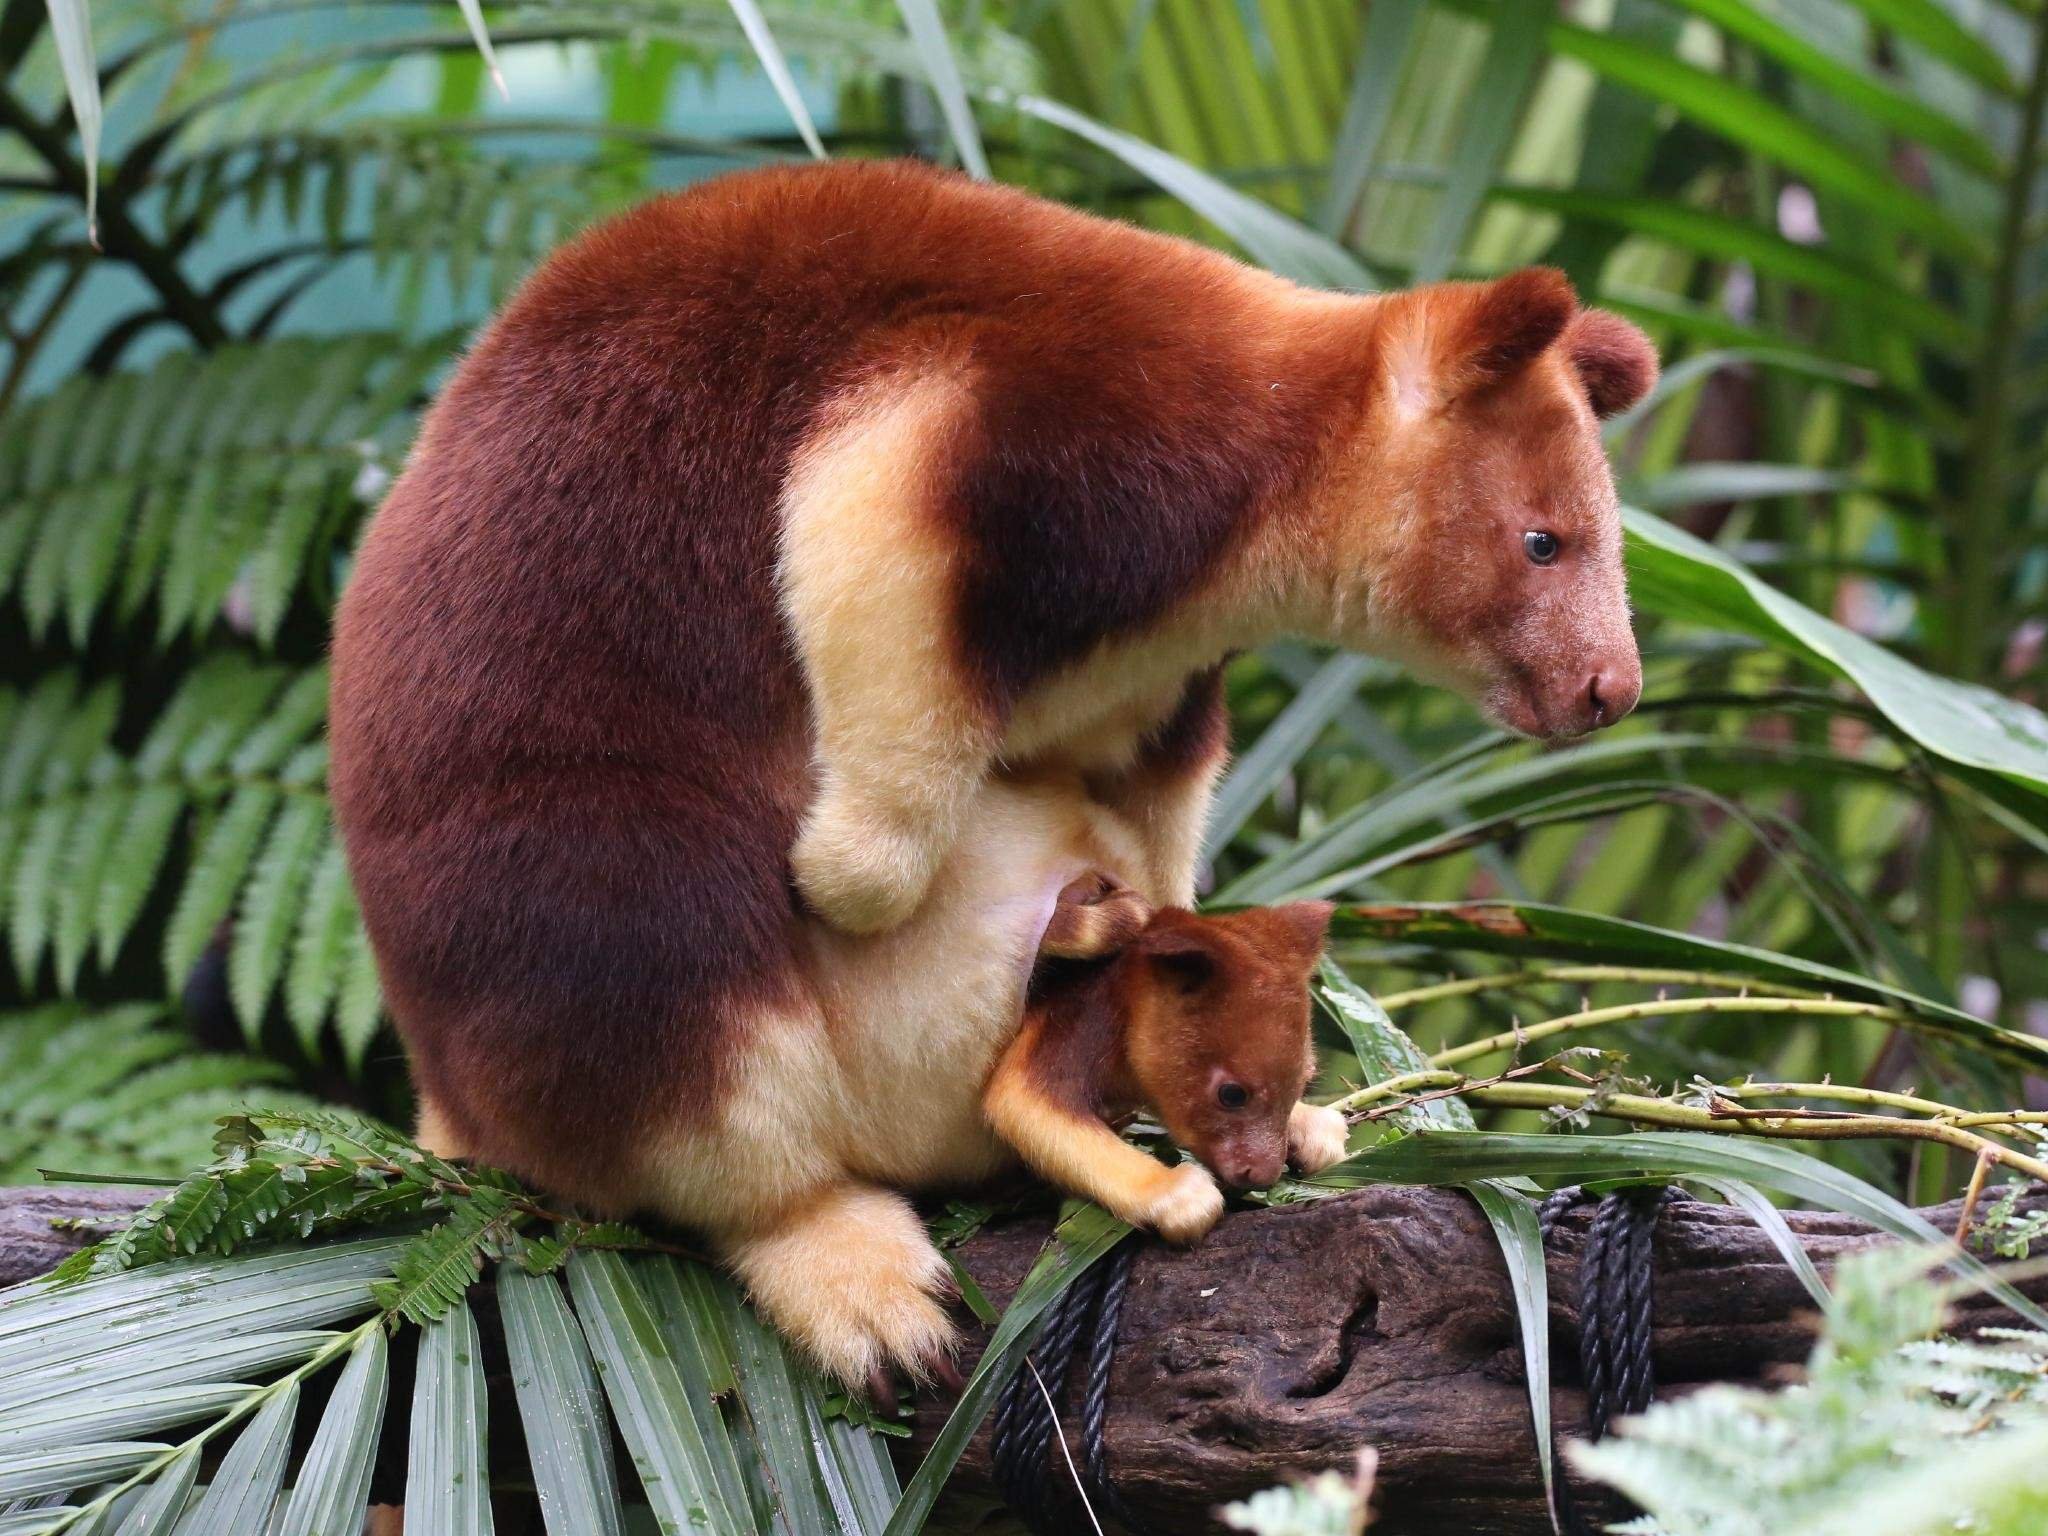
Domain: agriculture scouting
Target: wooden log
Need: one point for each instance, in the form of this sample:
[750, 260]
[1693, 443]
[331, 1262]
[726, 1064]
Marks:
[1293, 1336]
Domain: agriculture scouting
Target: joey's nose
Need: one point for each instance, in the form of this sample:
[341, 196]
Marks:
[1253, 1172]
[1612, 692]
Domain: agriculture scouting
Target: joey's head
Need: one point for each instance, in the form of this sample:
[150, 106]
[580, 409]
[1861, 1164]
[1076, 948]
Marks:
[1216, 1030]
[1488, 555]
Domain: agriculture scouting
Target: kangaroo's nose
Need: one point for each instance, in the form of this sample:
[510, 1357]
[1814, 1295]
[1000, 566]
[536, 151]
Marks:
[1612, 692]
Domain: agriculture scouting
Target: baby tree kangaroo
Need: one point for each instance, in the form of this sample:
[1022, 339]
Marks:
[1202, 1020]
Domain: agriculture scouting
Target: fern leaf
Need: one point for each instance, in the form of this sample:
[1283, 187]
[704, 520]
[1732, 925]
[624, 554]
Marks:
[272, 575]
[93, 554]
[42, 575]
[187, 549]
[361, 1001]
[34, 732]
[326, 926]
[293, 716]
[216, 874]
[270, 907]
[33, 907]
[434, 1271]
[149, 544]
[88, 851]
[133, 863]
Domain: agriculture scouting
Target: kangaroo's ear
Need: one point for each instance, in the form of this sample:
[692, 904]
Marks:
[1512, 321]
[1615, 361]
[1457, 339]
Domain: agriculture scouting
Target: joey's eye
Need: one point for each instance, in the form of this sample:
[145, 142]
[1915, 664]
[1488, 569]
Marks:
[1541, 547]
[1233, 1095]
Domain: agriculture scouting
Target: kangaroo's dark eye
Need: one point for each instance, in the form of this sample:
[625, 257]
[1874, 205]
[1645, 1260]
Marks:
[1233, 1095]
[1542, 547]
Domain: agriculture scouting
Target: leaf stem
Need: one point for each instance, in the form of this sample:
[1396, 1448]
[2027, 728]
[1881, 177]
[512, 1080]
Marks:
[1593, 1018]
[1583, 975]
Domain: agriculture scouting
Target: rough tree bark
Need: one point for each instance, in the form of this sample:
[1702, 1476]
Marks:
[1290, 1337]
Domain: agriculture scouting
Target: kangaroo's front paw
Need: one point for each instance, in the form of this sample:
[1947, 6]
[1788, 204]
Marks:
[1317, 1136]
[856, 870]
[1187, 1205]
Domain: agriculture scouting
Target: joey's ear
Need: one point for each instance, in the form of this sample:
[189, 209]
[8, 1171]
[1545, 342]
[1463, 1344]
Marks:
[1177, 955]
[1307, 923]
[1615, 361]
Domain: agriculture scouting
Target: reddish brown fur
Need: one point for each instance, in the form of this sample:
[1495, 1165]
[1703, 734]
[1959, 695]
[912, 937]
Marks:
[570, 741]
[1192, 1003]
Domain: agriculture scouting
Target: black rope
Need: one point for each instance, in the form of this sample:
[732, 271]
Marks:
[1616, 1294]
[1024, 1451]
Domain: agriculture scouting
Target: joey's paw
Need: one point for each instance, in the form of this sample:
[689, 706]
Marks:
[1317, 1136]
[1093, 917]
[856, 871]
[1187, 1205]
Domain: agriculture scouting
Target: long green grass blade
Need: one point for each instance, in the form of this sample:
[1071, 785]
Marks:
[447, 1470]
[673, 1448]
[1514, 56]
[568, 1432]
[1382, 49]
[244, 1489]
[1273, 240]
[71, 30]
[1526, 928]
[928, 32]
[1512, 1216]
[762, 39]
[1462, 1157]
[1081, 1239]
[332, 1489]
[157, 1512]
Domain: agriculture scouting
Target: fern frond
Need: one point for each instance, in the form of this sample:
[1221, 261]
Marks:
[235, 762]
[115, 1090]
[436, 1268]
[175, 482]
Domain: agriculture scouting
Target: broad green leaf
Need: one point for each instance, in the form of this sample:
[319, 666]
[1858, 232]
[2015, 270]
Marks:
[1461, 1157]
[1679, 576]
[568, 1432]
[1383, 1048]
